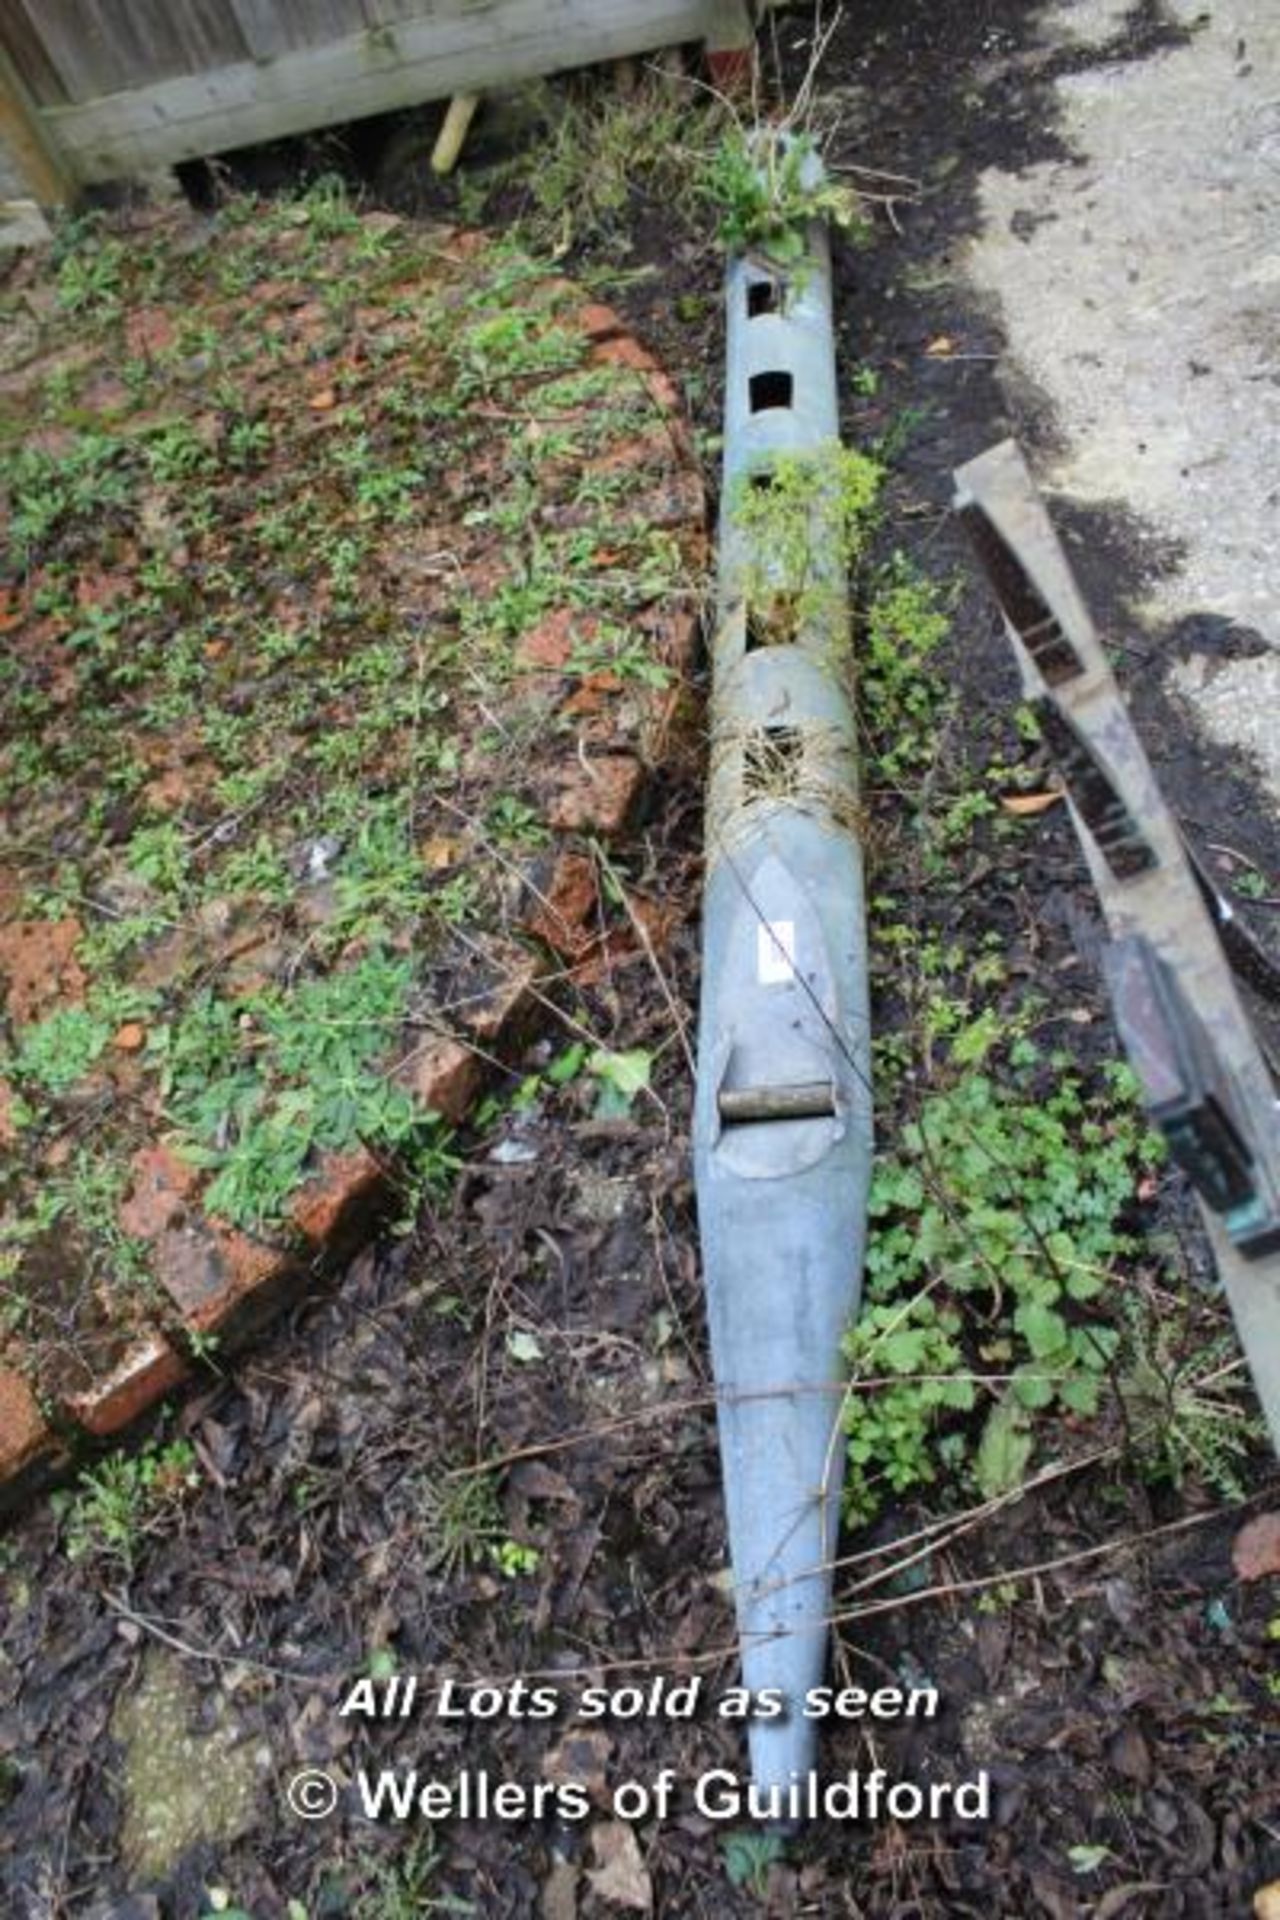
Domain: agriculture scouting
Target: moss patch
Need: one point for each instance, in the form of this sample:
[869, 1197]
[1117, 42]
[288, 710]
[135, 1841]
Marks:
[181, 1788]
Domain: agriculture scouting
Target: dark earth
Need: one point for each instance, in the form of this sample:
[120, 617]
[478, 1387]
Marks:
[545, 1323]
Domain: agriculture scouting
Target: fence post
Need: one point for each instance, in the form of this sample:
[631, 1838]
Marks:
[730, 45]
[22, 132]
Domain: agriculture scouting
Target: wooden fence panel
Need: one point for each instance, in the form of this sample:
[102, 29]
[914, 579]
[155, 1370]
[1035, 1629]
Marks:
[273, 27]
[20, 38]
[124, 86]
[104, 46]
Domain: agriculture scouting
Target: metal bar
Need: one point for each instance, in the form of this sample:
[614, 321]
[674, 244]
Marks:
[812, 1100]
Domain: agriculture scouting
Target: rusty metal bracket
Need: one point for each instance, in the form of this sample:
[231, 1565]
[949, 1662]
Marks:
[1189, 1040]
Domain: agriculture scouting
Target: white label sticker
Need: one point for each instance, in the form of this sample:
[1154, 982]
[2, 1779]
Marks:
[775, 952]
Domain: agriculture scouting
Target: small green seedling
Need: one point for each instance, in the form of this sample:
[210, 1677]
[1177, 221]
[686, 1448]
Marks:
[621, 1076]
[748, 1858]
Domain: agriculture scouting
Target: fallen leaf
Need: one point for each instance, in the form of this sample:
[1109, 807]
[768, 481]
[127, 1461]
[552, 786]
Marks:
[1004, 1449]
[939, 347]
[323, 401]
[130, 1038]
[621, 1875]
[1118, 1900]
[1087, 1858]
[1026, 803]
[582, 1757]
[622, 1076]
[1256, 1550]
[560, 1891]
[523, 1347]
[1129, 1754]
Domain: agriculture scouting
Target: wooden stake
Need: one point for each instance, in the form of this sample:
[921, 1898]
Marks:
[444, 155]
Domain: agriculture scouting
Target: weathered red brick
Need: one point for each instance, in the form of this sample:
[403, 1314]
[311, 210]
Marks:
[600, 794]
[648, 930]
[496, 1015]
[226, 1281]
[34, 374]
[148, 331]
[28, 1447]
[640, 453]
[161, 1188]
[106, 393]
[340, 1200]
[665, 395]
[550, 645]
[593, 694]
[223, 1281]
[37, 960]
[443, 1074]
[150, 1369]
[103, 587]
[677, 501]
[565, 913]
[611, 340]
[624, 351]
[599, 322]
[168, 791]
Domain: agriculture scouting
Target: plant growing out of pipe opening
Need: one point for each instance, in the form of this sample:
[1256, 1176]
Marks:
[803, 518]
[770, 187]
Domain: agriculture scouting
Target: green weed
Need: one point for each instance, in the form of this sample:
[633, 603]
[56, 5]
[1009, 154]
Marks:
[49, 493]
[748, 1858]
[1183, 1410]
[903, 695]
[90, 275]
[465, 1527]
[119, 1503]
[605, 151]
[61, 1049]
[803, 519]
[999, 1210]
[175, 452]
[769, 187]
[404, 1888]
[256, 1089]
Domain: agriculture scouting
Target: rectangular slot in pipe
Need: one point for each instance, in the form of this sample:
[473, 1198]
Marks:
[770, 391]
[764, 296]
[773, 625]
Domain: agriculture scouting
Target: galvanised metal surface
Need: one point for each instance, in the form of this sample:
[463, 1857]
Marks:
[1188, 1037]
[782, 1125]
